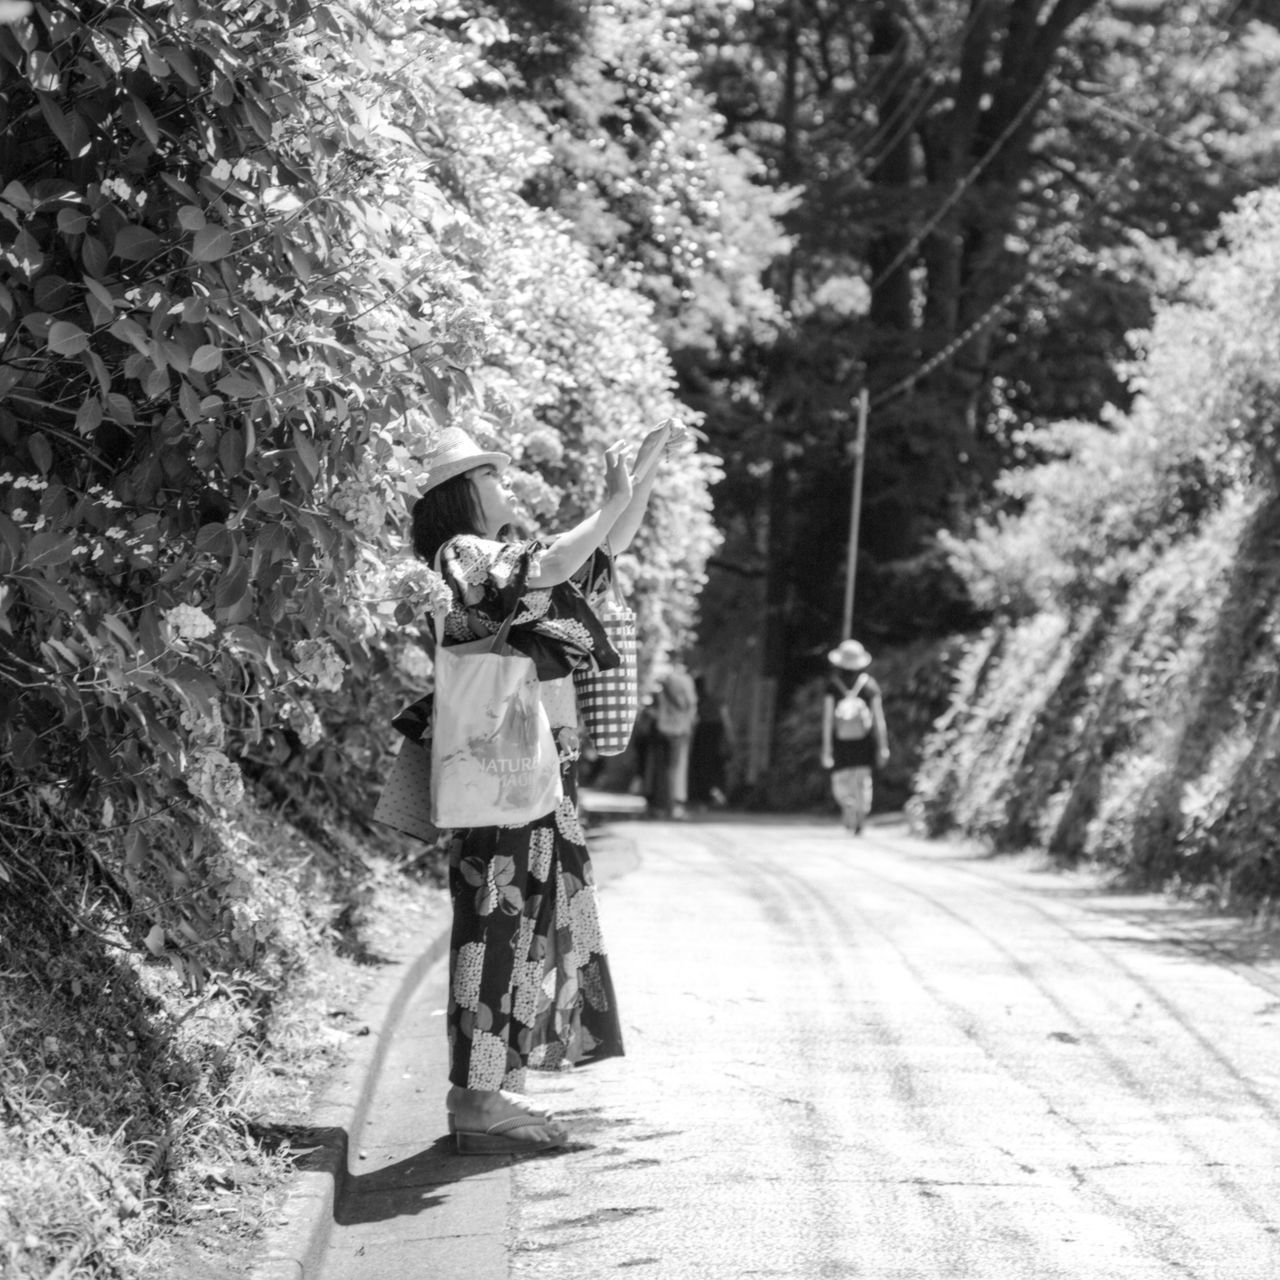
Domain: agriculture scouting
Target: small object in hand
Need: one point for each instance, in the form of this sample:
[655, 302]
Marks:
[681, 431]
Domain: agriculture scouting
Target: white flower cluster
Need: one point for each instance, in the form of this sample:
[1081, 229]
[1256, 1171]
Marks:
[305, 721]
[534, 494]
[214, 778]
[222, 170]
[361, 504]
[260, 288]
[543, 445]
[205, 730]
[121, 190]
[318, 661]
[189, 623]
[23, 482]
[414, 664]
[412, 581]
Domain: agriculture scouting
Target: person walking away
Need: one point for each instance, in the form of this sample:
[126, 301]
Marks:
[855, 739]
[529, 979]
[675, 709]
[710, 750]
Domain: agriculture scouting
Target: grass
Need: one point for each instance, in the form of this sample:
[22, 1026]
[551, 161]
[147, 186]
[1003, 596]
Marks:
[140, 1125]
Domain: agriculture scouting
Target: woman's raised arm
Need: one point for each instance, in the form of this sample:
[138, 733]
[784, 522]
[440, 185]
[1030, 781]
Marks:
[568, 552]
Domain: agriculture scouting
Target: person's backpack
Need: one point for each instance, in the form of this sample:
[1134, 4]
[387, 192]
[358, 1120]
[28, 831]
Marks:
[854, 720]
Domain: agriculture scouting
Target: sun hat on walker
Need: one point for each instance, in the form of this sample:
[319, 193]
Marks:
[850, 655]
[456, 452]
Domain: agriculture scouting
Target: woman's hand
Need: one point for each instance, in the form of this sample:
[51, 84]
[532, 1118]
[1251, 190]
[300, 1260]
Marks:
[617, 479]
[652, 446]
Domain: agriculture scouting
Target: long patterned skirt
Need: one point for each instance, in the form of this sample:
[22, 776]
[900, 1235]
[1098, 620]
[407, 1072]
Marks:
[530, 984]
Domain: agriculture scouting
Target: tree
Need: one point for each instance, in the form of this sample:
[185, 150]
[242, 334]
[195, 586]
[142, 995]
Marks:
[960, 164]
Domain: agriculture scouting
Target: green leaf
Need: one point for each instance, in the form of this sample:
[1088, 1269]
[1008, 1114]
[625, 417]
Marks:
[146, 121]
[26, 252]
[231, 452]
[191, 218]
[52, 293]
[130, 331]
[232, 587]
[189, 403]
[181, 63]
[100, 302]
[67, 339]
[89, 416]
[25, 747]
[97, 366]
[156, 384]
[43, 72]
[134, 243]
[18, 196]
[207, 358]
[49, 549]
[93, 253]
[211, 244]
[239, 385]
[41, 451]
[71, 222]
[214, 539]
[53, 595]
[304, 265]
[177, 184]
[307, 455]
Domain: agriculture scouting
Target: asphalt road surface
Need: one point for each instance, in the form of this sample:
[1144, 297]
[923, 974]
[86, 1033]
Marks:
[887, 1058]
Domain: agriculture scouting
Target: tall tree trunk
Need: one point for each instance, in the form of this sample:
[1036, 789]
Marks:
[777, 592]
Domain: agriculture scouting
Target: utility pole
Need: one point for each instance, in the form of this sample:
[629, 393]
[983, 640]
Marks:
[855, 513]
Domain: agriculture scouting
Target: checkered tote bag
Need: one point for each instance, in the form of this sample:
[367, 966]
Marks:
[609, 701]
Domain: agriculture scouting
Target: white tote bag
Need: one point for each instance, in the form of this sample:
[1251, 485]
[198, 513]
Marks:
[493, 759]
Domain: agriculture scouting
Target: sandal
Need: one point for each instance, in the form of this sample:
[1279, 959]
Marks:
[503, 1137]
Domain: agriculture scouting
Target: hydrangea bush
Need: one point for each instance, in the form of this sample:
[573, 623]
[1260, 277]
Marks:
[255, 255]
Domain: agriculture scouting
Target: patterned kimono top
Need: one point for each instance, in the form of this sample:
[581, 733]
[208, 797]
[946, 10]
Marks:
[555, 626]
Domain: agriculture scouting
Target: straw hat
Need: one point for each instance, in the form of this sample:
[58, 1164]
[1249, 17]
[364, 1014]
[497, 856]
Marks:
[456, 452]
[850, 655]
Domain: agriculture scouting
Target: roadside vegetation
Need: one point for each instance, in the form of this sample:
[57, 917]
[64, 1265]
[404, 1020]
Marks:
[255, 254]
[1123, 706]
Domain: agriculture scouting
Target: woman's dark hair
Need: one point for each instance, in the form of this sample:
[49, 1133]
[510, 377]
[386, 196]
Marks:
[442, 513]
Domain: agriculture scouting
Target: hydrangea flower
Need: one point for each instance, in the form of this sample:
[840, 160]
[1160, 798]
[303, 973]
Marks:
[543, 445]
[214, 778]
[414, 664]
[205, 730]
[189, 623]
[305, 721]
[318, 662]
[358, 502]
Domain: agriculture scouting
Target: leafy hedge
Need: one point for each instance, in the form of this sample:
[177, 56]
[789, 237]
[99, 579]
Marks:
[253, 255]
[1123, 705]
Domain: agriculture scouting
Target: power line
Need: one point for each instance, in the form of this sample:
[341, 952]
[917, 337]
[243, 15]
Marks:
[940, 357]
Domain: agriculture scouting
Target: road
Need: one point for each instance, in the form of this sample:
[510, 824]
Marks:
[893, 1059]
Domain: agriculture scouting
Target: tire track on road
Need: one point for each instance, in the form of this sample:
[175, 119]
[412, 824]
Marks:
[1132, 1083]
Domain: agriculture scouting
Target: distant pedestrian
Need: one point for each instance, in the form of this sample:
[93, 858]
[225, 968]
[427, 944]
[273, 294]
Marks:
[710, 750]
[855, 739]
[675, 711]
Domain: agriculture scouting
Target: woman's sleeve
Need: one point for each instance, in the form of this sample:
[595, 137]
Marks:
[487, 577]
[594, 577]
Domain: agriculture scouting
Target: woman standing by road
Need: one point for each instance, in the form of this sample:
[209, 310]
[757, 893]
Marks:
[529, 980]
